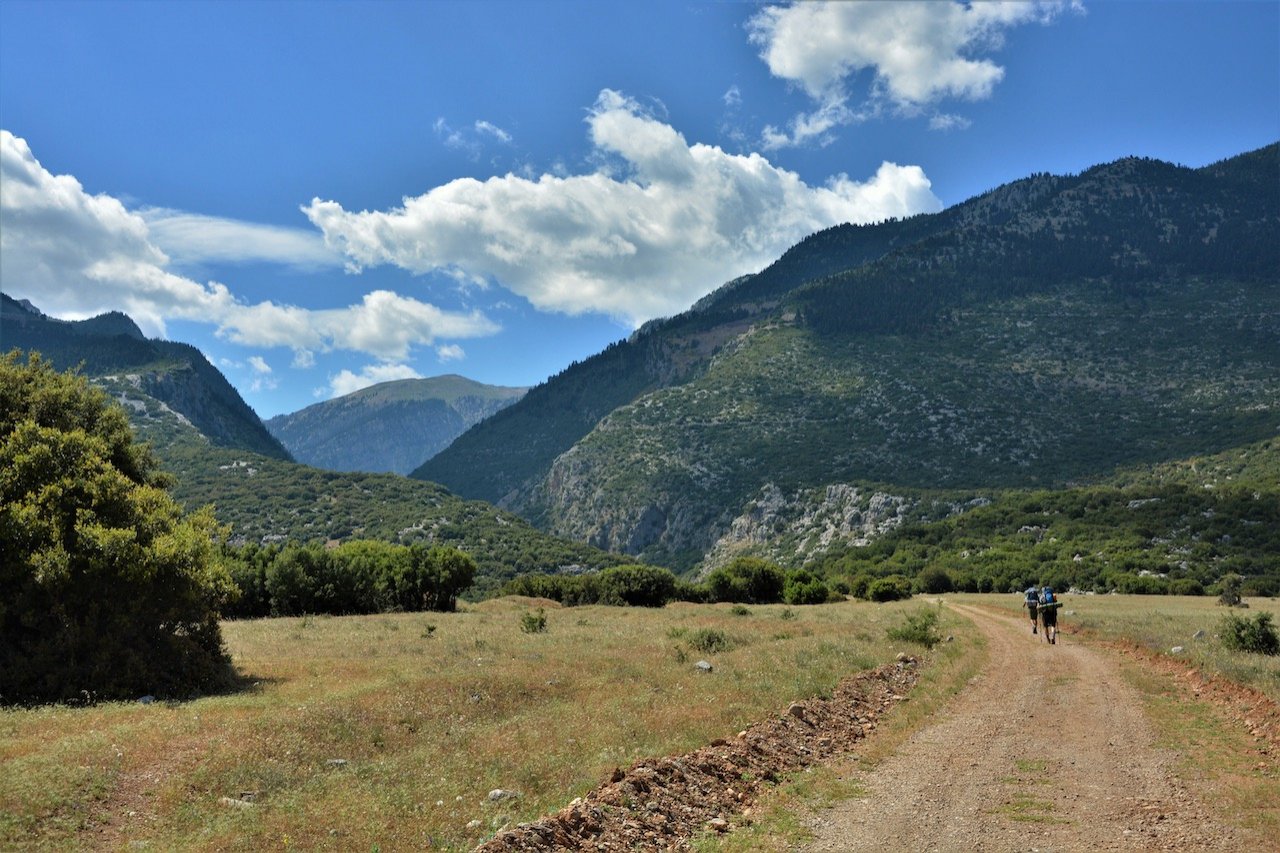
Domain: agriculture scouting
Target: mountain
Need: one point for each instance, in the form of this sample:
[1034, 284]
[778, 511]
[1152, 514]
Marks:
[1044, 333]
[174, 375]
[220, 454]
[392, 426]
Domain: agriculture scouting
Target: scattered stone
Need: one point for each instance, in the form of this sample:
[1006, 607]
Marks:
[950, 638]
[703, 665]
[1198, 635]
[902, 657]
[1176, 650]
[499, 795]
[336, 762]
[719, 824]
[796, 710]
[474, 824]
[235, 803]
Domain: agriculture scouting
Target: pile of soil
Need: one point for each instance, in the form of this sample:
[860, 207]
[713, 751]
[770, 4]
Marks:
[662, 803]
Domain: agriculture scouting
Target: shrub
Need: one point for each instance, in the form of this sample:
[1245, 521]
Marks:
[1229, 589]
[1186, 586]
[934, 581]
[636, 586]
[693, 592]
[747, 580]
[534, 622]
[740, 610]
[1245, 634]
[802, 587]
[892, 588]
[710, 640]
[109, 589]
[920, 628]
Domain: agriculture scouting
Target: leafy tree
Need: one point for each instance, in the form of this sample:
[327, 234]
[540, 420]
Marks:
[110, 591]
[803, 587]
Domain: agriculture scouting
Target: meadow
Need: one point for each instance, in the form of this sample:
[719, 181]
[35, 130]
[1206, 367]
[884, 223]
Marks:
[389, 731]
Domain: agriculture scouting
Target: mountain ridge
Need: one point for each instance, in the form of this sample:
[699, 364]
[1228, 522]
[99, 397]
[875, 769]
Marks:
[1108, 294]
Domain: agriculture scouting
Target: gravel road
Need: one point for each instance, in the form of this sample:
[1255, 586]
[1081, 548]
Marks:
[1048, 749]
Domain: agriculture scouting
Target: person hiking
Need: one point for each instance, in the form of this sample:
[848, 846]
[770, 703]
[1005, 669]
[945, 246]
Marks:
[1032, 603]
[1048, 607]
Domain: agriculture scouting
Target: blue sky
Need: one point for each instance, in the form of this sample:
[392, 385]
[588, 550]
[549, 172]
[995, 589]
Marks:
[322, 195]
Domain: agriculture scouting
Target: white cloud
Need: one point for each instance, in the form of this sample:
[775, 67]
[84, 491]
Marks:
[450, 352]
[493, 130]
[76, 255]
[733, 96]
[676, 221]
[943, 121]
[259, 364]
[346, 382]
[918, 52]
[190, 238]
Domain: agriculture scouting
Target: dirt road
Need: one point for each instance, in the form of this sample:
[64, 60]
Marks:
[1048, 749]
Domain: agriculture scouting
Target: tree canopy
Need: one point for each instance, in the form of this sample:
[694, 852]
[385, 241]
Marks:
[110, 589]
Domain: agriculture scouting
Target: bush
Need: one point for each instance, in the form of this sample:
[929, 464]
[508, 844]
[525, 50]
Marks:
[109, 589]
[534, 622]
[747, 580]
[710, 640]
[934, 581]
[920, 628]
[1186, 586]
[636, 586]
[892, 588]
[1229, 589]
[802, 587]
[1245, 634]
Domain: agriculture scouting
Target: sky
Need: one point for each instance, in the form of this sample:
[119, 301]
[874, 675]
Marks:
[324, 195]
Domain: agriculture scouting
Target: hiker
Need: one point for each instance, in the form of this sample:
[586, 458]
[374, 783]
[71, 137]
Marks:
[1049, 614]
[1032, 603]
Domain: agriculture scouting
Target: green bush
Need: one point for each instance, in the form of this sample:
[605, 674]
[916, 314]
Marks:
[747, 580]
[710, 640]
[892, 588]
[109, 590]
[802, 587]
[1245, 634]
[636, 586]
[919, 627]
[534, 622]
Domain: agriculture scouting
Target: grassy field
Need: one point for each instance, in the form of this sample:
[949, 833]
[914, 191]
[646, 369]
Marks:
[388, 732]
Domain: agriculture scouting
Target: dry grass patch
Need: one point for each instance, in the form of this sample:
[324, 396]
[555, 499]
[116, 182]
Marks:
[390, 730]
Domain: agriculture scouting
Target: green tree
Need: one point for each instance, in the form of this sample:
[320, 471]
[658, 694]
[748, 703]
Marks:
[110, 590]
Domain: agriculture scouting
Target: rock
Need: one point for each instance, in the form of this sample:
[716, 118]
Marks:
[719, 824]
[146, 700]
[474, 824]
[235, 803]
[1176, 650]
[1198, 635]
[950, 638]
[336, 762]
[498, 795]
[796, 710]
[902, 657]
[704, 666]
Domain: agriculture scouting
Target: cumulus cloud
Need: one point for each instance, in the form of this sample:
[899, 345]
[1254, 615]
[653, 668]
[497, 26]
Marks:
[346, 382]
[918, 53]
[76, 255]
[259, 364]
[660, 226]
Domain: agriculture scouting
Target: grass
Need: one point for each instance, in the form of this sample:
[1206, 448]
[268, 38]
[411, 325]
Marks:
[780, 821]
[429, 712]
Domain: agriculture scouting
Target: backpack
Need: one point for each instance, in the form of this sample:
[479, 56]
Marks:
[1047, 597]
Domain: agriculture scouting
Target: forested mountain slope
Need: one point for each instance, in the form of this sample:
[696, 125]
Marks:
[174, 374]
[391, 426]
[1046, 332]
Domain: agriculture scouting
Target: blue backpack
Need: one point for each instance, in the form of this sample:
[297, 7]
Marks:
[1046, 597]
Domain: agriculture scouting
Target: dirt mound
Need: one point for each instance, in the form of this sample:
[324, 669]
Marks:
[661, 803]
